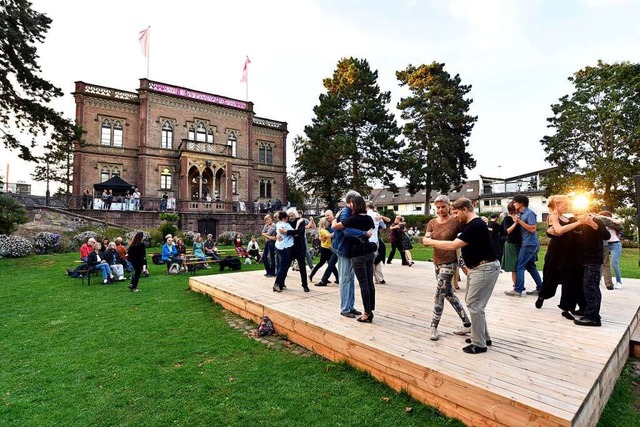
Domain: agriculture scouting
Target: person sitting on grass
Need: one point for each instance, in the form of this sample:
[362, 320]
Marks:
[170, 254]
[96, 262]
[253, 249]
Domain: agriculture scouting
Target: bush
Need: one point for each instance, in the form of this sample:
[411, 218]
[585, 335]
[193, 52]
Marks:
[146, 239]
[80, 239]
[167, 228]
[14, 246]
[47, 243]
[227, 238]
[188, 238]
[12, 213]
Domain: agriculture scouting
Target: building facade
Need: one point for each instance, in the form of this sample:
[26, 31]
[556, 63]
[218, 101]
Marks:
[209, 153]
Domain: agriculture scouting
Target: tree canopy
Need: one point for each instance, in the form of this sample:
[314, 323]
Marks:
[24, 95]
[352, 139]
[437, 129]
[596, 139]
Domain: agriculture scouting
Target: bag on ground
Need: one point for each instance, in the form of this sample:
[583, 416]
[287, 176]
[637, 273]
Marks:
[265, 327]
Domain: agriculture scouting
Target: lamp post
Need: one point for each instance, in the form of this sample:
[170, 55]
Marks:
[47, 194]
[636, 180]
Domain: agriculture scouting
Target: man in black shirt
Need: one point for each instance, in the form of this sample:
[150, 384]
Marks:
[484, 269]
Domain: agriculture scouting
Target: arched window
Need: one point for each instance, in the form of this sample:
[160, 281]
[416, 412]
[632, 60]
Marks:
[269, 159]
[201, 133]
[167, 135]
[117, 134]
[262, 153]
[234, 184]
[210, 135]
[105, 138]
[165, 179]
[192, 133]
[105, 174]
[115, 171]
[265, 187]
[233, 142]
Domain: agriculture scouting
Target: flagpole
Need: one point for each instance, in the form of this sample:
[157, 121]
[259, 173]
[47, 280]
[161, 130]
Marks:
[148, 48]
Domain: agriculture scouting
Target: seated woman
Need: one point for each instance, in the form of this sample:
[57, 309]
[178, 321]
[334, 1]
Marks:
[170, 254]
[112, 257]
[96, 262]
[181, 247]
[198, 249]
[253, 249]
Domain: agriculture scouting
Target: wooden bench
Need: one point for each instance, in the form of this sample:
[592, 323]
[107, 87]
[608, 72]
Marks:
[191, 263]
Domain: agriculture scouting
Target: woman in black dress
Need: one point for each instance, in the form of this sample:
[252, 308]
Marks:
[137, 257]
[561, 265]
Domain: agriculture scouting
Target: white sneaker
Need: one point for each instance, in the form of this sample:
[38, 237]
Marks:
[121, 279]
[462, 330]
[104, 281]
[617, 286]
[434, 334]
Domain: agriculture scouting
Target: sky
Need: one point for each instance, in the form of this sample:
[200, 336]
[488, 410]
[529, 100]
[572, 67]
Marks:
[516, 54]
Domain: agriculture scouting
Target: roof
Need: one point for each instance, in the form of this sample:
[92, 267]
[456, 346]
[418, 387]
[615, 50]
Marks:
[382, 196]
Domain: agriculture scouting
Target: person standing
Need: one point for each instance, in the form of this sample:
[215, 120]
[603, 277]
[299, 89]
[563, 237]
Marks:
[136, 199]
[497, 233]
[269, 252]
[395, 238]
[284, 244]
[333, 260]
[528, 254]
[445, 227]
[612, 251]
[378, 260]
[483, 269]
[513, 243]
[137, 258]
[325, 251]
[299, 250]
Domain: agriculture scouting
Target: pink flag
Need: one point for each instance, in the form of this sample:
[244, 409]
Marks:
[245, 70]
[143, 37]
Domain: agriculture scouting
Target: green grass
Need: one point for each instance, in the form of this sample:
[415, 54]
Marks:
[75, 355]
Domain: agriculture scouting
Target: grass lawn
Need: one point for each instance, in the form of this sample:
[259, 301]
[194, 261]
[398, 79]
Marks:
[75, 355]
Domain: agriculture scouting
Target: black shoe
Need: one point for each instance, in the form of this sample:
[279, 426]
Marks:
[583, 321]
[311, 278]
[145, 273]
[539, 302]
[320, 283]
[567, 315]
[336, 282]
[356, 312]
[306, 288]
[578, 312]
[276, 288]
[474, 349]
[382, 282]
[468, 341]
[368, 319]
[350, 315]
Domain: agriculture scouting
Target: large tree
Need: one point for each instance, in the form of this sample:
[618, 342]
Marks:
[24, 95]
[352, 139]
[437, 129]
[596, 139]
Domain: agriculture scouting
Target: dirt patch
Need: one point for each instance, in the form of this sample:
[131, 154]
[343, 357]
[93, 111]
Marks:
[249, 329]
[635, 384]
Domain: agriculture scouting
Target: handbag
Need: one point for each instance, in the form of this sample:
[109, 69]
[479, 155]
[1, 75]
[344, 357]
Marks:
[358, 246]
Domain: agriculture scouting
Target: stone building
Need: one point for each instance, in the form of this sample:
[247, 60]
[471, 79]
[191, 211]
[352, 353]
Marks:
[209, 153]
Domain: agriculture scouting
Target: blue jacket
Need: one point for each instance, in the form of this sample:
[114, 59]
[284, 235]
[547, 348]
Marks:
[168, 253]
[338, 244]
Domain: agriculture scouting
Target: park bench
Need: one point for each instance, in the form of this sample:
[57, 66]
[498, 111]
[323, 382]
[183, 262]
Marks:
[191, 264]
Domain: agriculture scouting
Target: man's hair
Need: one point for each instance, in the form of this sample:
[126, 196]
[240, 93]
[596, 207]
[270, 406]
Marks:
[370, 205]
[350, 195]
[442, 198]
[462, 203]
[328, 211]
[522, 199]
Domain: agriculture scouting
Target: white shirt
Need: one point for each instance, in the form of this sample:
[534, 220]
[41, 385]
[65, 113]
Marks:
[376, 223]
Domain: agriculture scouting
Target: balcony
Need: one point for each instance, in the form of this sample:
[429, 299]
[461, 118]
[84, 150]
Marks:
[211, 148]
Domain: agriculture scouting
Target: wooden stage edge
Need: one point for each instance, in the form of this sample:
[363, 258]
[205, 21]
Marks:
[563, 377]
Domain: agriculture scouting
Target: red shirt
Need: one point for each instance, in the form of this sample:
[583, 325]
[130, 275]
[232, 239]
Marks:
[85, 250]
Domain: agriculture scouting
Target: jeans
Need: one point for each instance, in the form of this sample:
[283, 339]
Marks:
[615, 248]
[285, 262]
[105, 270]
[527, 261]
[480, 283]
[592, 295]
[346, 277]
[269, 257]
[363, 269]
[331, 268]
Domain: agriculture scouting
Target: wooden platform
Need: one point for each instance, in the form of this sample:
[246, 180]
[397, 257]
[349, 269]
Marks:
[542, 369]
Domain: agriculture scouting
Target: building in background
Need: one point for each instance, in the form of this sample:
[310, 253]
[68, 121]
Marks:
[209, 153]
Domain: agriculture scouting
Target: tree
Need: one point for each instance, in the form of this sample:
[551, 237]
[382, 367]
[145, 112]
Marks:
[437, 129]
[12, 212]
[23, 93]
[352, 139]
[295, 193]
[596, 144]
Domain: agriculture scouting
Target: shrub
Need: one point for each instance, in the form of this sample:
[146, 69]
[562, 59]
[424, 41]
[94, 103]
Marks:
[12, 213]
[80, 239]
[170, 217]
[147, 238]
[14, 246]
[47, 243]
[188, 238]
[167, 228]
[227, 238]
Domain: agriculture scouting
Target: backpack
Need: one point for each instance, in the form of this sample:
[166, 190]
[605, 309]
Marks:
[265, 327]
[232, 263]
[174, 269]
[156, 258]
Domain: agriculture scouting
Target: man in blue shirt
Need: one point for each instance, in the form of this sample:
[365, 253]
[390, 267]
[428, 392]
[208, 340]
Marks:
[528, 254]
[346, 276]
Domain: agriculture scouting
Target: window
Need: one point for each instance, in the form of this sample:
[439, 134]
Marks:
[115, 171]
[201, 133]
[109, 171]
[210, 134]
[265, 153]
[105, 138]
[265, 188]
[192, 133]
[165, 179]
[418, 208]
[262, 153]
[234, 184]
[105, 174]
[395, 208]
[167, 135]
[112, 133]
[233, 142]
[269, 155]
[117, 134]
